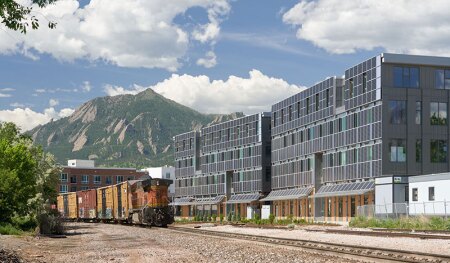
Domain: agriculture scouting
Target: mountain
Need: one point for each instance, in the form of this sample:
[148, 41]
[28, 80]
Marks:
[124, 130]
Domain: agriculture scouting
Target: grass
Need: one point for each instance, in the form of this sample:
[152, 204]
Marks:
[8, 229]
[416, 223]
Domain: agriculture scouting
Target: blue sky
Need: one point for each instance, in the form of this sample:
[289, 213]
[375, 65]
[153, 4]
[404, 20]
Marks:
[276, 47]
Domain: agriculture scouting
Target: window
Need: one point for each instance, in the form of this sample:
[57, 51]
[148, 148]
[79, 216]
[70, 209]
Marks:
[415, 194]
[73, 188]
[438, 151]
[191, 143]
[237, 132]
[176, 146]
[97, 179]
[331, 160]
[397, 111]
[418, 150]
[73, 179]
[355, 120]
[369, 153]
[430, 193]
[364, 84]
[355, 155]
[284, 141]
[406, 193]
[84, 188]
[331, 127]
[241, 176]
[119, 178]
[292, 138]
[63, 188]
[290, 113]
[274, 119]
[229, 130]
[247, 130]
[63, 178]
[298, 109]
[317, 101]
[307, 105]
[405, 77]
[442, 79]
[108, 180]
[282, 116]
[342, 158]
[350, 88]
[418, 112]
[438, 113]
[85, 179]
[320, 131]
[397, 150]
[327, 97]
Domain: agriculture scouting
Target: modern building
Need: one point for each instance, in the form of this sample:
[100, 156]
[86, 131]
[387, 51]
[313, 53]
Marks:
[82, 175]
[223, 168]
[386, 117]
[164, 172]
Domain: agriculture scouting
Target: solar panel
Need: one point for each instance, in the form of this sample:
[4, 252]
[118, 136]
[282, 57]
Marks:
[355, 188]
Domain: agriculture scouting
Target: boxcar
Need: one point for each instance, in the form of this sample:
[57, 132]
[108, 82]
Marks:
[87, 204]
[122, 201]
[105, 202]
[67, 205]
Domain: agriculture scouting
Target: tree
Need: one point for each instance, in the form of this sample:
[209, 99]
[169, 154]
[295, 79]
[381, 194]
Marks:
[18, 17]
[28, 177]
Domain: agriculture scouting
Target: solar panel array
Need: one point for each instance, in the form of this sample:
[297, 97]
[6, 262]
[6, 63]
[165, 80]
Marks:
[243, 198]
[287, 194]
[345, 189]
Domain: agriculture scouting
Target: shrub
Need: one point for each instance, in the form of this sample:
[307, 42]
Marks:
[238, 218]
[214, 217]
[221, 218]
[51, 223]
[229, 217]
[25, 223]
[271, 218]
[233, 218]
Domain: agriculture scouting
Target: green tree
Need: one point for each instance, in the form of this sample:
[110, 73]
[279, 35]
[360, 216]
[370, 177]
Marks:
[18, 17]
[28, 177]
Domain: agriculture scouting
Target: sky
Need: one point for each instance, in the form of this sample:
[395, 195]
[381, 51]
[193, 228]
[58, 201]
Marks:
[216, 56]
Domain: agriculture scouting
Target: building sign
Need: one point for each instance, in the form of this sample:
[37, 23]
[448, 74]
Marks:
[397, 180]
[265, 212]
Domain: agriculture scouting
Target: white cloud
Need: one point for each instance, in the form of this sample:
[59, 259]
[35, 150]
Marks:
[40, 90]
[117, 90]
[7, 89]
[249, 95]
[404, 26]
[136, 34]
[27, 119]
[4, 95]
[208, 61]
[86, 87]
[53, 102]
[17, 105]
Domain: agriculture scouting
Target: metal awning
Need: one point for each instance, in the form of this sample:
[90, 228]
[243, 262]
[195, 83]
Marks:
[287, 194]
[209, 200]
[243, 198]
[346, 189]
[183, 201]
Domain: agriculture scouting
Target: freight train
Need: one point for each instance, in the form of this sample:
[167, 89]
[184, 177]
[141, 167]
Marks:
[137, 201]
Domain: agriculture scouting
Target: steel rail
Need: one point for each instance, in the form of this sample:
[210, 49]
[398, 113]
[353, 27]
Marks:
[387, 255]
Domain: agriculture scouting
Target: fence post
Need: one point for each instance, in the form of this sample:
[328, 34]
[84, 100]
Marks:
[445, 208]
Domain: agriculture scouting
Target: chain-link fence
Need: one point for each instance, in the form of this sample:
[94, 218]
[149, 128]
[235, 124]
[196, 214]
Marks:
[397, 210]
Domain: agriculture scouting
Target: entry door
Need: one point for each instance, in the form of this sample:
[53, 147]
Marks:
[104, 203]
[66, 205]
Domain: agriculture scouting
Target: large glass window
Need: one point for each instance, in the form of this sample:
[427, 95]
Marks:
[317, 102]
[307, 105]
[63, 188]
[418, 112]
[397, 111]
[438, 151]
[350, 88]
[364, 84]
[397, 150]
[442, 79]
[438, 113]
[418, 150]
[406, 77]
[97, 179]
[274, 122]
[119, 178]
[290, 113]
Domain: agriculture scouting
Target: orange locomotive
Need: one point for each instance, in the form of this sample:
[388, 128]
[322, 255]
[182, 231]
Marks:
[137, 201]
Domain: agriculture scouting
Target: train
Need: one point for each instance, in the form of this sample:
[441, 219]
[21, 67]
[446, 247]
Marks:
[143, 201]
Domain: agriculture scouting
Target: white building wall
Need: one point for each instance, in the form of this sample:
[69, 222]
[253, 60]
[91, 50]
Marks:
[165, 172]
[81, 163]
[441, 203]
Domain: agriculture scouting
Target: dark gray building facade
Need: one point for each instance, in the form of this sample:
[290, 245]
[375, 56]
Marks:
[386, 117]
[223, 168]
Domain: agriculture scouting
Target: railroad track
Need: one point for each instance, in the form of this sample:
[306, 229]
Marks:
[383, 233]
[375, 254]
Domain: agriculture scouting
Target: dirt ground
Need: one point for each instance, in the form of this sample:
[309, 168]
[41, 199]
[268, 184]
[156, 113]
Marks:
[89, 242]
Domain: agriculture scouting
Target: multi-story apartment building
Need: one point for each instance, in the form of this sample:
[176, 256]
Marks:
[223, 168]
[83, 175]
[386, 117]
